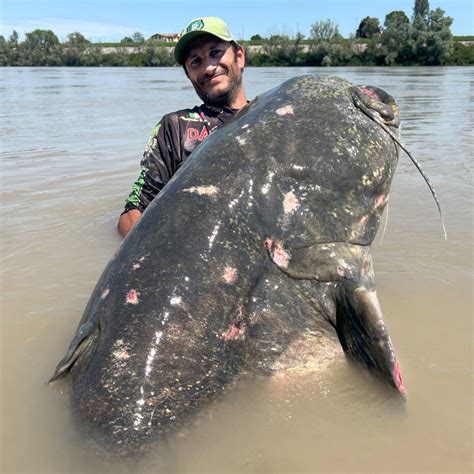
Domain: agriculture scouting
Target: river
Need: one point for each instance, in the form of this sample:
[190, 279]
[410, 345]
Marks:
[71, 143]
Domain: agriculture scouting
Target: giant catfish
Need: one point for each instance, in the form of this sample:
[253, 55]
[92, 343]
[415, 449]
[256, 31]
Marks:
[259, 245]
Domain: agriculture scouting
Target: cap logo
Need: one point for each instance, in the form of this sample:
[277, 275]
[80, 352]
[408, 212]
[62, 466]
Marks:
[195, 26]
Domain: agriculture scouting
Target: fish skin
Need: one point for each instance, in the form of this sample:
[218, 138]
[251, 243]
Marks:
[209, 284]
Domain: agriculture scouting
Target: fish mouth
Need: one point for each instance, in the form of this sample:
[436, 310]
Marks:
[364, 336]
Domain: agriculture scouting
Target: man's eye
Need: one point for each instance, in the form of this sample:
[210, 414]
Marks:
[216, 53]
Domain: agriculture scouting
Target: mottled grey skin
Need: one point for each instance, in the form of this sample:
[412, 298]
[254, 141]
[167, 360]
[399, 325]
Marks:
[261, 241]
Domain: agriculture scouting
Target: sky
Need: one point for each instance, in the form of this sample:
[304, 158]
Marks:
[111, 20]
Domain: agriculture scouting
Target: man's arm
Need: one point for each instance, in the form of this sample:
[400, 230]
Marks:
[127, 220]
[158, 165]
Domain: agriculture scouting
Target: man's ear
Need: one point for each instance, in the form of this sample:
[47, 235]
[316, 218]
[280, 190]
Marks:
[241, 57]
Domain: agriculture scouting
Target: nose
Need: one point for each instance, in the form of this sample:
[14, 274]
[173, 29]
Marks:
[210, 67]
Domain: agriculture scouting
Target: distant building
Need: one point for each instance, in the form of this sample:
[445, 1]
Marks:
[166, 37]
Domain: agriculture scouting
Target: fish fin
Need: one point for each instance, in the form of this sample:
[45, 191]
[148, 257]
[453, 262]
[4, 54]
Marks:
[85, 336]
[363, 335]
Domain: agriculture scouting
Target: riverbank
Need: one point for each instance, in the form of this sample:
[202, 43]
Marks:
[274, 51]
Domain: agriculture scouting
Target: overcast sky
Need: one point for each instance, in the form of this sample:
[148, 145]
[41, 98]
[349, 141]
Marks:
[111, 20]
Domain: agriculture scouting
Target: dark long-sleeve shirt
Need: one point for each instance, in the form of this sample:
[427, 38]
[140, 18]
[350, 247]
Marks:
[171, 142]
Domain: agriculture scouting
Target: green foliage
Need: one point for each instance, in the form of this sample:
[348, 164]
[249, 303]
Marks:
[463, 38]
[13, 40]
[40, 48]
[324, 30]
[326, 46]
[396, 19]
[462, 55]
[368, 28]
[41, 39]
[137, 37]
[278, 50]
[421, 9]
[76, 38]
[425, 40]
[3, 51]
[432, 38]
[395, 40]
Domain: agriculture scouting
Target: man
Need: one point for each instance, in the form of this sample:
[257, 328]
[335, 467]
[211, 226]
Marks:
[214, 64]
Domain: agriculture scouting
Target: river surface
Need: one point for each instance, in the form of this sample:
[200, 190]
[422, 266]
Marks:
[71, 144]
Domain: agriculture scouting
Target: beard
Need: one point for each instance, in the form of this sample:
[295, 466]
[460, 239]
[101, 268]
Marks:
[226, 97]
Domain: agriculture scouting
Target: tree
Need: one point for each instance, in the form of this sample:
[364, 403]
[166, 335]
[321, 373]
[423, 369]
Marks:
[127, 39]
[395, 39]
[12, 50]
[324, 30]
[327, 46]
[368, 28]
[421, 8]
[432, 40]
[276, 49]
[41, 48]
[137, 37]
[436, 46]
[75, 52]
[41, 39]
[395, 19]
[3, 51]
[76, 38]
[13, 40]
[256, 38]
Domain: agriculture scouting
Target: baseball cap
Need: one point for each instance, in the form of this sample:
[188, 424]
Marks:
[198, 27]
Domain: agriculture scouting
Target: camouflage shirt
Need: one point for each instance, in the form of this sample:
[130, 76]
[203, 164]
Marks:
[171, 142]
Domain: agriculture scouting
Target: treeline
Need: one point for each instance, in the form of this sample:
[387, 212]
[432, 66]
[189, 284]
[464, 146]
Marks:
[426, 39]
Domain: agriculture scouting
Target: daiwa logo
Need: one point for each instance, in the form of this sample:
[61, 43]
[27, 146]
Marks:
[195, 134]
[195, 26]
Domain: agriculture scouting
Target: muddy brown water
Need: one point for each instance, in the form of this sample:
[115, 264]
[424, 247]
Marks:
[71, 143]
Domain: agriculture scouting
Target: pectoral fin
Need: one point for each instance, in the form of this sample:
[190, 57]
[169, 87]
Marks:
[85, 337]
[363, 335]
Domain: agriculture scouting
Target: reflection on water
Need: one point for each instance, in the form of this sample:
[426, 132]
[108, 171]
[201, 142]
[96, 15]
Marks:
[71, 143]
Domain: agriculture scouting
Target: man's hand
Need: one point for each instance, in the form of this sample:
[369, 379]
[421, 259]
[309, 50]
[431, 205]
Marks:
[127, 221]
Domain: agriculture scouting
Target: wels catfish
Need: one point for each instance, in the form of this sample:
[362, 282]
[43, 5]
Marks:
[260, 244]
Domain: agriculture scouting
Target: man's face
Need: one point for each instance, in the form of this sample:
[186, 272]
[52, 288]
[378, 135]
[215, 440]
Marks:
[215, 70]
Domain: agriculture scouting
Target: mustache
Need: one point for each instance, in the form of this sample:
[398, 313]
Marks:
[219, 71]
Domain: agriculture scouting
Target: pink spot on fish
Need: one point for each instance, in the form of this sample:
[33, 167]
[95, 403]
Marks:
[121, 355]
[365, 266]
[370, 92]
[398, 379]
[277, 253]
[234, 333]
[132, 297]
[380, 200]
[105, 294]
[290, 203]
[230, 275]
[202, 190]
[136, 266]
[280, 256]
[287, 109]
